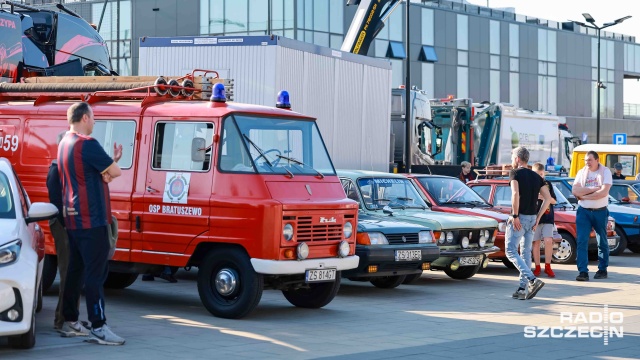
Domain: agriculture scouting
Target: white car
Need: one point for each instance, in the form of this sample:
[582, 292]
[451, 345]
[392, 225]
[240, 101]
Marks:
[21, 259]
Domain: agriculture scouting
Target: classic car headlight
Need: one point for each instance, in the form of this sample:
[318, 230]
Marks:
[465, 242]
[449, 237]
[486, 234]
[425, 237]
[377, 238]
[482, 241]
[347, 229]
[502, 227]
[287, 232]
[10, 252]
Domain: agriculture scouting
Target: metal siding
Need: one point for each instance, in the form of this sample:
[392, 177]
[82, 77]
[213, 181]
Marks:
[346, 134]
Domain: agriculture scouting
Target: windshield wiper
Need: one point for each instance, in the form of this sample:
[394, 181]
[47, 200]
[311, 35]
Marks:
[457, 202]
[478, 203]
[259, 150]
[296, 161]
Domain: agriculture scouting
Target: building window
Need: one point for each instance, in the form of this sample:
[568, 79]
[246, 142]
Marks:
[381, 47]
[514, 88]
[463, 58]
[494, 86]
[514, 40]
[514, 64]
[428, 53]
[494, 62]
[396, 50]
[546, 45]
[547, 94]
[396, 27]
[427, 27]
[259, 15]
[463, 32]
[428, 76]
[463, 82]
[397, 75]
[494, 37]
[336, 8]
[118, 43]
[320, 16]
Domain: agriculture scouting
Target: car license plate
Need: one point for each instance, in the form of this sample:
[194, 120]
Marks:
[320, 275]
[469, 260]
[408, 255]
[612, 241]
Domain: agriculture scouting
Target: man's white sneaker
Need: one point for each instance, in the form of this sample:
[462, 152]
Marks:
[73, 329]
[104, 336]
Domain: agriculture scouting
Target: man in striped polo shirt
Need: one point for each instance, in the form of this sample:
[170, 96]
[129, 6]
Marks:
[85, 171]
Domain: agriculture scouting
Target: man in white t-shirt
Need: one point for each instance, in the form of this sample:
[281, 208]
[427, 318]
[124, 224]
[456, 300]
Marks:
[591, 187]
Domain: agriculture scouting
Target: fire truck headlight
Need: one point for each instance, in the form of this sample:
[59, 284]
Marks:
[303, 251]
[347, 230]
[343, 249]
[287, 232]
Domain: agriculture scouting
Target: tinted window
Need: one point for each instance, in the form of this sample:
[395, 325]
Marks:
[119, 132]
[172, 146]
[502, 196]
[395, 193]
[7, 206]
[483, 190]
[76, 36]
[447, 190]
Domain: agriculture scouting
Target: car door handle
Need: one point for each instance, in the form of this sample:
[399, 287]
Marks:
[150, 189]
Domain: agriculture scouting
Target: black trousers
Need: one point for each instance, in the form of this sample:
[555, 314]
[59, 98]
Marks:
[88, 254]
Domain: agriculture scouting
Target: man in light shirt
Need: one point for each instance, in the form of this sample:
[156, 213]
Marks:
[591, 187]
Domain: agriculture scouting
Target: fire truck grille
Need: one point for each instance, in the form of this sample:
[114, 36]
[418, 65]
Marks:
[398, 238]
[307, 231]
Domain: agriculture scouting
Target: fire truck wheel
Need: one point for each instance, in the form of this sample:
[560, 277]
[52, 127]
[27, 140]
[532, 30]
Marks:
[116, 280]
[315, 296]
[387, 282]
[49, 271]
[410, 279]
[228, 286]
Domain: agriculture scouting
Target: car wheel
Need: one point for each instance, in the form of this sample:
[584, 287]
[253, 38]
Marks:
[463, 272]
[410, 279]
[228, 286]
[49, 271]
[508, 263]
[567, 250]
[39, 300]
[116, 280]
[621, 244]
[634, 248]
[387, 282]
[315, 296]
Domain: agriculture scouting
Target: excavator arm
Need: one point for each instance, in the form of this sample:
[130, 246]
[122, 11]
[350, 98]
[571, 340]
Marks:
[367, 23]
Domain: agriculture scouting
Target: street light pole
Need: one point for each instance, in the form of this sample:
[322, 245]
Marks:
[408, 117]
[599, 84]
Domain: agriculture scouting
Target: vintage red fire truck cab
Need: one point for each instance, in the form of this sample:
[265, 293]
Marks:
[246, 193]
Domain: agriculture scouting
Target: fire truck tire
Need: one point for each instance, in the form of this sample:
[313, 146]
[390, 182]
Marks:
[410, 279]
[315, 296]
[49, 271]
[228, 286]
[116, 280]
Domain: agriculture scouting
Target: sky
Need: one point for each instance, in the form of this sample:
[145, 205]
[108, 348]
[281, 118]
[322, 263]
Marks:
[603, 11]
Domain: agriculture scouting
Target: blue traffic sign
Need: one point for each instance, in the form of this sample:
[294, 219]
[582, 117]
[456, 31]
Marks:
[620, 139]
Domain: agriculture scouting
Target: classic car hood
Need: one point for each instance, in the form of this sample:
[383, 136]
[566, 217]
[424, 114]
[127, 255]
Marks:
[10, 230]
[386, 224]
[485, 212]
[438, 221]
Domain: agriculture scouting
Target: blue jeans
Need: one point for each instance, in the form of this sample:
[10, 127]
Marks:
[521, 261]
[585, 220]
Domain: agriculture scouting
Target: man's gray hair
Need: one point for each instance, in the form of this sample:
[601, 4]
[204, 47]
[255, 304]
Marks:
[522, 153]
[465, 164]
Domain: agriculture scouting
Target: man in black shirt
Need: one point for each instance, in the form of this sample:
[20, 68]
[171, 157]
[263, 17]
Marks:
[525, 187]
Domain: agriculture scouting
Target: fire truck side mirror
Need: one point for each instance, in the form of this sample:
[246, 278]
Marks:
[198, 148]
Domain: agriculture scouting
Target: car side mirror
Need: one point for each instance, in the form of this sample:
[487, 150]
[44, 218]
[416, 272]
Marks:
[572, 200]
[625, 199]
[198, 148]
[387, 210]
[41, 211]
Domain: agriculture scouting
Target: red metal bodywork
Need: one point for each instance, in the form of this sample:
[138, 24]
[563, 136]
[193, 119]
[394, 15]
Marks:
[243, 209]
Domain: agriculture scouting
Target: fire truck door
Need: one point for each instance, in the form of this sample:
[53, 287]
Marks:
[177, 187]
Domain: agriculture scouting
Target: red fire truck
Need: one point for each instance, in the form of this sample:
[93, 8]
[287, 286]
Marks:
[248, 194]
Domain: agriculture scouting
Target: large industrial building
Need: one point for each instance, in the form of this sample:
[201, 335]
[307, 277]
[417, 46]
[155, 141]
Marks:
[455, 49]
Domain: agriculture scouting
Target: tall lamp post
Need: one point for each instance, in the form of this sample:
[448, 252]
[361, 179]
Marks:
[599, 84]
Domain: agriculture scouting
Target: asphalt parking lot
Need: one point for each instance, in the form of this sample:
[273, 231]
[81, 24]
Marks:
[438, 317]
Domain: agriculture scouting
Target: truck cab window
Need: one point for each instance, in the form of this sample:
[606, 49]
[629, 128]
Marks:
[172, 146]
[108, 132]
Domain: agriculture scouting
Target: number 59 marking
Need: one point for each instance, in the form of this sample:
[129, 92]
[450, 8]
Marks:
[9, 142]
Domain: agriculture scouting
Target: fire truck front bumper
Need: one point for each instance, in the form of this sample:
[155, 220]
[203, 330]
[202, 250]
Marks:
[289, 267]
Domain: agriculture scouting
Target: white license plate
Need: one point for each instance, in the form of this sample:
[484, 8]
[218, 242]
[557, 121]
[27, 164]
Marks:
[408, 255]
[470, 260]
[320, 275]
[612, 242]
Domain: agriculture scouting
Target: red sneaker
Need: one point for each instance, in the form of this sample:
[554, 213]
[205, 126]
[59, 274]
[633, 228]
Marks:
[536, 272]
[548, 271]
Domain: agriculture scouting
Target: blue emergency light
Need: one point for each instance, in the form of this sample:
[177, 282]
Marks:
[218, 93]
[283, 100]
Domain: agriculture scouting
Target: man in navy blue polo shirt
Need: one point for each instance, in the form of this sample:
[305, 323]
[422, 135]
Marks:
[85, 171]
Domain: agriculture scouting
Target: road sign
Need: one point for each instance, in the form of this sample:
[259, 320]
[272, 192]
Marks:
[620, 139]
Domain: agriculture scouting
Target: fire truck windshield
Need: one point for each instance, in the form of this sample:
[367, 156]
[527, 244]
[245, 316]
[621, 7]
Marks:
[274, 146]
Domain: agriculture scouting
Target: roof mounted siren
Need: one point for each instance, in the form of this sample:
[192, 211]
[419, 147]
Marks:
[218, 95]
[283, 100]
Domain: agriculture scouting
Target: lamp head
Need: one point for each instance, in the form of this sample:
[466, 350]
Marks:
[589, 18]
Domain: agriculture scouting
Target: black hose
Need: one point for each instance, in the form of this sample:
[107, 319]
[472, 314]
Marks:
[70, 87]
